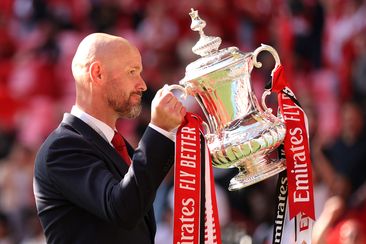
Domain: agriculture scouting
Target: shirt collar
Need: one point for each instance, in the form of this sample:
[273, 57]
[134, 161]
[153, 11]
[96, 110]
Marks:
[99, 126]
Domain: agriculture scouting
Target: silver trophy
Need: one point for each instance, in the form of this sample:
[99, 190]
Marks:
[240, 133]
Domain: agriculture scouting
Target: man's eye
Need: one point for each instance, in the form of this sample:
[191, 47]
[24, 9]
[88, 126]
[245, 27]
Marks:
[132, 72]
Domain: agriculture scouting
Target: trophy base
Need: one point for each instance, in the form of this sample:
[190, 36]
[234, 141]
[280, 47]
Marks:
[265, 169]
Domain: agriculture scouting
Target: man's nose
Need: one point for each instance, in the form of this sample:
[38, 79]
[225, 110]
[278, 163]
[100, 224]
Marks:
[142, 85]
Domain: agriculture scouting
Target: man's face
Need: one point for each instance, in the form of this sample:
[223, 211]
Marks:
[125, 85]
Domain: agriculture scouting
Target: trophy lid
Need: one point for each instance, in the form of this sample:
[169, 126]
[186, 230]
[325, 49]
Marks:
[207, 47]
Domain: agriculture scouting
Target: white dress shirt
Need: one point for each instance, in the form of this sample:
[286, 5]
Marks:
[107, 132]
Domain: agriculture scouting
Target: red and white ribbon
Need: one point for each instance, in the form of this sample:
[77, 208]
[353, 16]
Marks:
[195, 207]
[297, 153]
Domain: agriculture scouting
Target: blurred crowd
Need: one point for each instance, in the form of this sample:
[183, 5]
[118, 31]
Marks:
[321, 43]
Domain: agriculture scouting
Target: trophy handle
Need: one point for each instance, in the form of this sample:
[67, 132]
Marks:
[270, 49]
[264, 105]
[206, 128]
[177, 87]
[258, 64]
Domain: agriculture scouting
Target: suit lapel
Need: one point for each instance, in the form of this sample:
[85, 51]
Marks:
[91, 135]
[115, 160]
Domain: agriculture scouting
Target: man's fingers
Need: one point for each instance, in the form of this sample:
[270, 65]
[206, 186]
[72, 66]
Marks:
[177, 106]
[163, 96]
[183, 111]
[167, 111]
[167, 98]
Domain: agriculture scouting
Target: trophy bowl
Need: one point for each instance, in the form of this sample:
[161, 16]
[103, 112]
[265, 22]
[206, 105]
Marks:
[242, 133]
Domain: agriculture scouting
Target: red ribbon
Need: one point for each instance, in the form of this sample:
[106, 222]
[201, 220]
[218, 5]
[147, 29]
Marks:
[296, 145]
[298, 162]
[187, 187]
[279, 80]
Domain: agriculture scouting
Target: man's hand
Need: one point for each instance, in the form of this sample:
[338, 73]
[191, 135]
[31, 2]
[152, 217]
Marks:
[167, 112]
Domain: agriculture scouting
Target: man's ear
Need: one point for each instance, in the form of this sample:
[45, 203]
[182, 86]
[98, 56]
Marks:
[95, 72]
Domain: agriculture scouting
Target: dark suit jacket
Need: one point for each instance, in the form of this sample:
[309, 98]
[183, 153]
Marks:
[85, 193]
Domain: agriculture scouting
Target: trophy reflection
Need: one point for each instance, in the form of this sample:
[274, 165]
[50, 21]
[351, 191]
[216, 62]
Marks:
[242, 133]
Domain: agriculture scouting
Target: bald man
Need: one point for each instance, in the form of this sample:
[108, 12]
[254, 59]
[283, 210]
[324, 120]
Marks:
[85, 191]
